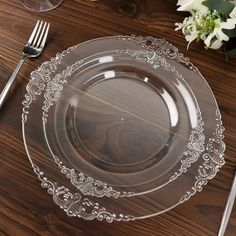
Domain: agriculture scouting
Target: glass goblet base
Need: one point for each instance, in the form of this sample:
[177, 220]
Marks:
[41, 5]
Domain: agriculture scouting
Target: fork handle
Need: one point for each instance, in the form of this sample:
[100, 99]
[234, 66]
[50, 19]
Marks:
[10, 82]
[228, 207]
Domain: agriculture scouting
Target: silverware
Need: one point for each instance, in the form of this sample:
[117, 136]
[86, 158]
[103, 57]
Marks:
[33, 48]
[228, 207]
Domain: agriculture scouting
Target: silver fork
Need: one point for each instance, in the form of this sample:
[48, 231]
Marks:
[228, 207]
[33, 48]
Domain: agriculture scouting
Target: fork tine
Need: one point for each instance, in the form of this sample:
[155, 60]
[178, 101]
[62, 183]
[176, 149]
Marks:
[33, 33]
[41, 35]
[45, 37]
[37, 34]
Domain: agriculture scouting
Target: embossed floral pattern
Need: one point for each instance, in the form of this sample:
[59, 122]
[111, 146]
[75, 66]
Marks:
[75, 204]
[213, 160]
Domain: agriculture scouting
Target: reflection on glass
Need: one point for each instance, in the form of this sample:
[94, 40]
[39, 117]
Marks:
[191, 106]
[109, 74]
[105, 59]
[173, 112]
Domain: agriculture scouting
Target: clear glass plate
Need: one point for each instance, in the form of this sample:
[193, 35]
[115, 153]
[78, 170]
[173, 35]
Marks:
[130, 120]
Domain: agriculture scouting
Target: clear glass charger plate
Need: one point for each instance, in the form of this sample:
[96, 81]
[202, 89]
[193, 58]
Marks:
[113, 96]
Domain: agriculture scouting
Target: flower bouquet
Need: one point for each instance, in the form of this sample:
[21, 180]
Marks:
[212, 21]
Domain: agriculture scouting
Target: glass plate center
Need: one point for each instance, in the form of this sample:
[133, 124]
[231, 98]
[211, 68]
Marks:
[115, 120]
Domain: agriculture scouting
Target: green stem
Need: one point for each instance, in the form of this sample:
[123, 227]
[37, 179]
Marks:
[225, 52]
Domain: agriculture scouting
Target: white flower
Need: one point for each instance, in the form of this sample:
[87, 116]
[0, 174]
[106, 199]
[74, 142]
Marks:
[191, 5]
[193, 27]
[209, 27]
[216, 44]
[214, 39]
[233, 1]
[233, 13]
[189, 29]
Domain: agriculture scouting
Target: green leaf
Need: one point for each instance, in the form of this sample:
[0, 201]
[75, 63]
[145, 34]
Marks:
[232, 52]
[220, 5]
[230, 33]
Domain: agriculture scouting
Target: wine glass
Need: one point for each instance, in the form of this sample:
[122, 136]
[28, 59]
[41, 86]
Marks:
[41, 5]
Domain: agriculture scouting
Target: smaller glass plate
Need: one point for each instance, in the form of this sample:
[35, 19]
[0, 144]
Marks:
[121, 121]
